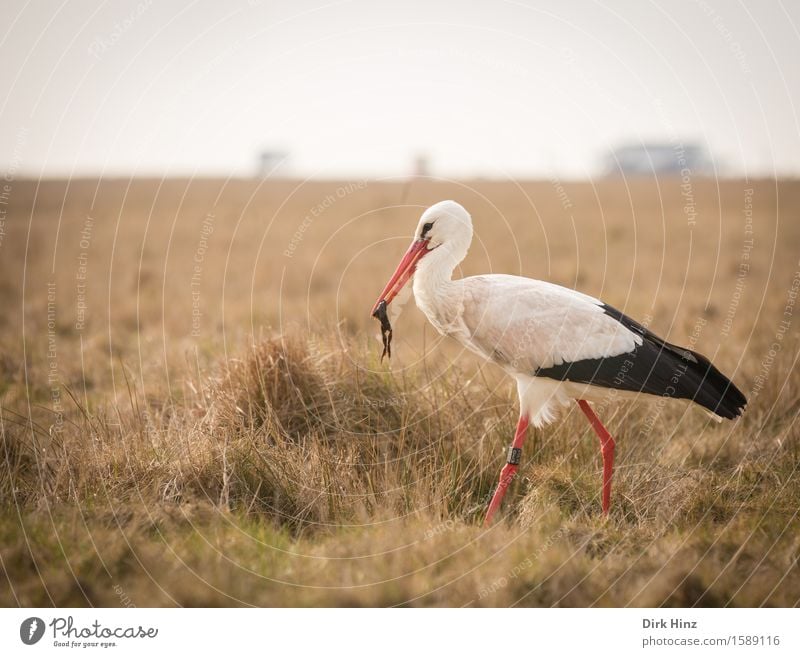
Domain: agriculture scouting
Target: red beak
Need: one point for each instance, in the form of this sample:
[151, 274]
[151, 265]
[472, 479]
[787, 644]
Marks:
[405, 270]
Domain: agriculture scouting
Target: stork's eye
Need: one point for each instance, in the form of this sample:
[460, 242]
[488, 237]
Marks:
[426, 228]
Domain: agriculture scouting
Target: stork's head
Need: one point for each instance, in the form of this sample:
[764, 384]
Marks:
[443, 235]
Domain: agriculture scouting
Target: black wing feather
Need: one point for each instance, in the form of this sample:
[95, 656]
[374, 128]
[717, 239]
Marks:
[658, 368]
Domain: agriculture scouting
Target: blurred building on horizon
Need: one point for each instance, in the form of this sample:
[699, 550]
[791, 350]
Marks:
[272, 164]
[660, 158]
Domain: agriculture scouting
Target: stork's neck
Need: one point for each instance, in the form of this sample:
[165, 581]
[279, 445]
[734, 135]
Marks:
[434, 289]
[433, 275]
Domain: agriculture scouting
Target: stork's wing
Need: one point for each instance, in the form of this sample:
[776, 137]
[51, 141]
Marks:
[540, 329]
[530, 325]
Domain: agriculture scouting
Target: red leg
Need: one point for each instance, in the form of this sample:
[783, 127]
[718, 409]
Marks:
[509, 469]
[606, 449]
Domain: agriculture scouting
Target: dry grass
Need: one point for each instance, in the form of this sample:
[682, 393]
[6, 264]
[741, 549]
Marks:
[272, 460]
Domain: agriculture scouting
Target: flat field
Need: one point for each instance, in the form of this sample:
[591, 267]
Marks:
[193, 410]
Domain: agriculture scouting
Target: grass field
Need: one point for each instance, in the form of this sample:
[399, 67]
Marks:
[193, 411]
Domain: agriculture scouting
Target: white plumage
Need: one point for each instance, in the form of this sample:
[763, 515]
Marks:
[524, 325]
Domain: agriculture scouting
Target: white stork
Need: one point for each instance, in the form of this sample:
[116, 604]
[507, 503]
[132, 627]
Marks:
[560, 345]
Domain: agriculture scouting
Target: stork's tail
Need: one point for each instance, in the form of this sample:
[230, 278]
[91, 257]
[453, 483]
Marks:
[706, 385]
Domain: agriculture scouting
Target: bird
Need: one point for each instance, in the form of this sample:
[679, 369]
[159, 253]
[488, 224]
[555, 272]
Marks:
[560, 345]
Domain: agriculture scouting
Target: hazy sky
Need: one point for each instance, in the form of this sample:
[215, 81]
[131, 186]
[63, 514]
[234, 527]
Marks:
[521, 88]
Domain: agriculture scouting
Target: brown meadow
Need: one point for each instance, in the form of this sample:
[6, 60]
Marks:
[193, 410]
